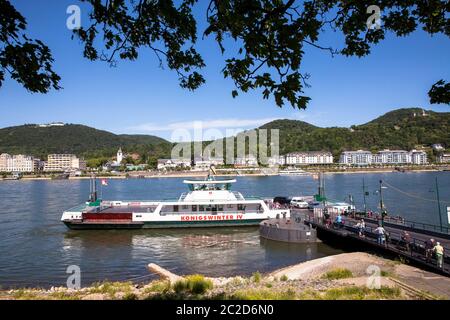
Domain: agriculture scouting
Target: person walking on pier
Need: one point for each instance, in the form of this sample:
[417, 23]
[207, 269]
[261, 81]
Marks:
[439, 251]
[429, 247]
[381, 235]
[406, 238]
[361, 225]
[338, 221]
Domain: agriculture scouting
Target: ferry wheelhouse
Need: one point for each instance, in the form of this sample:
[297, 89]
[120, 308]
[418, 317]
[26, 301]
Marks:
[208, 203]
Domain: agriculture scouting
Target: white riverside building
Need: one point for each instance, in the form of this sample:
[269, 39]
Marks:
[308, 157]
[364, 158]
[18, 163]
[64, 162]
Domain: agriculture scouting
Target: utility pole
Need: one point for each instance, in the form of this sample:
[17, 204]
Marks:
[439, 203]
[364, 197]
[382, 208]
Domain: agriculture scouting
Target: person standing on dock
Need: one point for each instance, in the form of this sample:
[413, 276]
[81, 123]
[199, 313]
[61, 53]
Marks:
[338, 221]
[381, 235]
[406, 238]
[439, 251]
[429, 247]
[361, 225]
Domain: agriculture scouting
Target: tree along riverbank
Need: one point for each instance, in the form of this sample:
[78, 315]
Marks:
[349, 276]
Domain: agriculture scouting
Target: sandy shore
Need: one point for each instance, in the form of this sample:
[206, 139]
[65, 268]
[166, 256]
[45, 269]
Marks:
[345, 276]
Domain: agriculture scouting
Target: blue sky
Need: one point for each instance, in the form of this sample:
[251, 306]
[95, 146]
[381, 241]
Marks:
[139, 97]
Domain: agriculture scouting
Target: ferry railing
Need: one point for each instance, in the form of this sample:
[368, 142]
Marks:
[210, 212]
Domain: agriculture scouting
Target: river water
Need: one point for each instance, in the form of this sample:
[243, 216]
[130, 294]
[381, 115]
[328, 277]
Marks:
[36, 248]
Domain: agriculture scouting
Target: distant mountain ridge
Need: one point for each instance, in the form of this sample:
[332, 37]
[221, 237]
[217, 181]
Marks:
[397, 129]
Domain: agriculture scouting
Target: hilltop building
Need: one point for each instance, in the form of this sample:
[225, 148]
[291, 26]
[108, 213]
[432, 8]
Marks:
[52, 124]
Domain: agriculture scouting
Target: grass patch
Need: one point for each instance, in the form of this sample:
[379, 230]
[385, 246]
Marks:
[64, 296]
[361, 293]
[158, 286]
[338, 273]
[263, 294]
[111, 288]
[385, 273]
[284, 278]
[23, 294]
[195, 284]
[130, 296]
[256, 277]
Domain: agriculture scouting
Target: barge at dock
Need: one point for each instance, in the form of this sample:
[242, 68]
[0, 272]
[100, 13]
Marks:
[208, 203]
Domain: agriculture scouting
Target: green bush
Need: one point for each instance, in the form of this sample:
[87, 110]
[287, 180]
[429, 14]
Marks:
[256, 277]
[180, 286]
[195, 284]
[284, 278]
[338, 273]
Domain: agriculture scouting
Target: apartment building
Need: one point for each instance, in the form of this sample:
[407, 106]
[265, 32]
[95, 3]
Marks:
[64, 162]
[387, 156]
[360, 157]
[309, 157]
[18, 163]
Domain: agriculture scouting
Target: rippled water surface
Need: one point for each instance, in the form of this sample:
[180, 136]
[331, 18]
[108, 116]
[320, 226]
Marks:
[36, 248]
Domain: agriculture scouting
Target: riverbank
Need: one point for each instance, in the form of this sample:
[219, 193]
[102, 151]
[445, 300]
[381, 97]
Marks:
[196, 174]
[351, 276]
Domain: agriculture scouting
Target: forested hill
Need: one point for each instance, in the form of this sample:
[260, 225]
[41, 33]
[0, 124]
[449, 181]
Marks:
[402, 128]
[78, 139]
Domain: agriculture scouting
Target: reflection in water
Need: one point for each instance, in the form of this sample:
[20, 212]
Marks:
[36, 248]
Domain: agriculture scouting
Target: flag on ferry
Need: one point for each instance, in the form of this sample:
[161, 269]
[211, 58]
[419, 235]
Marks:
[104, 182]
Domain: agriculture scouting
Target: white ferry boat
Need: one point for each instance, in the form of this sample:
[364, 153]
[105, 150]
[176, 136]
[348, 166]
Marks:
[208, 203]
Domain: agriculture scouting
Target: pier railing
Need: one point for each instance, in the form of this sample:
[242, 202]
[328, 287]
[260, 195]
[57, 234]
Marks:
[416, 248]
[402, 223]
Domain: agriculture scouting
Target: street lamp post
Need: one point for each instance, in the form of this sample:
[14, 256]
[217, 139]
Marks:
[439, 203]
[382, 208]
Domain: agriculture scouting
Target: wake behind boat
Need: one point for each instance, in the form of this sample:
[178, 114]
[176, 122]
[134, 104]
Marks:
[208, 203]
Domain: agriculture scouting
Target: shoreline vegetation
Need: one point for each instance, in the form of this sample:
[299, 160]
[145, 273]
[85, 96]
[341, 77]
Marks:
[348, 276]
[241, 172]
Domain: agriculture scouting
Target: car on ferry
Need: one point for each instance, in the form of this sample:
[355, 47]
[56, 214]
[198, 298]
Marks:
[298, 202]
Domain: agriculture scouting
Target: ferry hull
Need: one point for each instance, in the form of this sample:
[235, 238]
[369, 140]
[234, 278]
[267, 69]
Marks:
[162, 224]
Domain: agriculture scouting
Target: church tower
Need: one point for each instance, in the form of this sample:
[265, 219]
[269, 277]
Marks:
[119, 156]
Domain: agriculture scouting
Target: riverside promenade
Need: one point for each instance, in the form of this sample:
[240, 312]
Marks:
[347, 234]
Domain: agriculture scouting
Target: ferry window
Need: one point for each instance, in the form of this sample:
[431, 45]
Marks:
[220, 207]
[184, 207]
[214, 208]
[201, 208]
[241, 207]
[229, 206]
[194, 208]
[175, 208]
